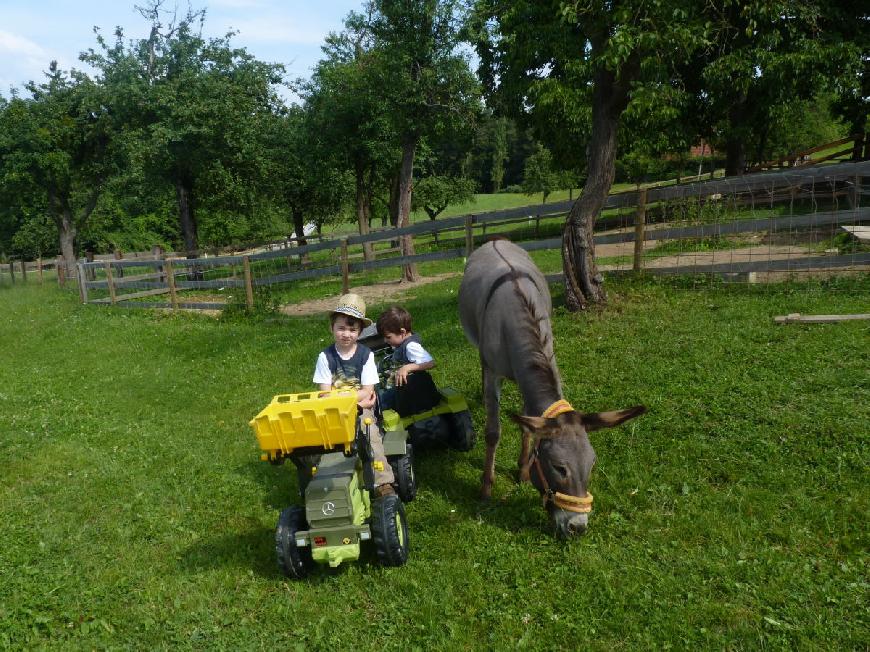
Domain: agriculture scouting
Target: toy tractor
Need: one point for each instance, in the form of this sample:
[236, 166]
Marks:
[431, 416]
[340, 511]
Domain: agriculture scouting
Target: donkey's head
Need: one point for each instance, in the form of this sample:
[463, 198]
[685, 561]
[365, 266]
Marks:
[560, 461]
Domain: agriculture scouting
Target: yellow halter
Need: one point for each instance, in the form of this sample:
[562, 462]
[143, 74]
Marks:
[559, 407]
[578, 504]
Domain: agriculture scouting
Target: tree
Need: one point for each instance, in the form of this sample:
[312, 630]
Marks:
[765, 54]
[195, 110]
[539, 174]
[57, 152]
[435, 193]
[548, 61]
[348, 121]
[305, 176]
[425, 80]
[845, 24]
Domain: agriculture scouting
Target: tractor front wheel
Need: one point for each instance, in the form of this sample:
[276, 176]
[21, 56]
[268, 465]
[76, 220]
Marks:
[390, 530]
[403, 470]
[293, 561]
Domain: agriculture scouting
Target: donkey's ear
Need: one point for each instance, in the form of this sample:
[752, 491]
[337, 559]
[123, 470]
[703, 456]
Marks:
[598, 420]
[529, 424]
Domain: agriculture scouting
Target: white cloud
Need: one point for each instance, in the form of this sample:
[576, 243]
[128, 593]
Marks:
[20, 46]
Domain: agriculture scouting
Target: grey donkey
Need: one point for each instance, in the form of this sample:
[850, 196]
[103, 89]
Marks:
[504, 308]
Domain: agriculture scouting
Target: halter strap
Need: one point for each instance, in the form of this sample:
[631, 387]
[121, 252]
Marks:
[559, 407]
[577, 504]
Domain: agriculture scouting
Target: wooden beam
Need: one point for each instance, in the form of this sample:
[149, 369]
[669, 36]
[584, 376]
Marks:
[170, 282]
[639, 222]
[249, 287]
[796, 317]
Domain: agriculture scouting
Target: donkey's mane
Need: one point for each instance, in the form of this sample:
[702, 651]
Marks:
[541, 366]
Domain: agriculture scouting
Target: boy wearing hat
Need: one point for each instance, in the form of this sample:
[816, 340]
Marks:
[348, 364]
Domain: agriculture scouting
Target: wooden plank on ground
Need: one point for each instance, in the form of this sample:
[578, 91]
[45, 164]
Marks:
[796, 317]
[860, 232]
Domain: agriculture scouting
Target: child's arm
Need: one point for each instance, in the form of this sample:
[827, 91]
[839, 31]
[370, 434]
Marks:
[421, 360]
[403, 371]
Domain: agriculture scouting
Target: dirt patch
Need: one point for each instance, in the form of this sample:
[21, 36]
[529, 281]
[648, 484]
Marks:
[394, 291]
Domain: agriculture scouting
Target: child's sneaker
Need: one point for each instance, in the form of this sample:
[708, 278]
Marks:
[384, 490]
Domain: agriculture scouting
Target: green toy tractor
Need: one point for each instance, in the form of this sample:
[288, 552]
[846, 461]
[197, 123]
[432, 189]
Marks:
[340, 511]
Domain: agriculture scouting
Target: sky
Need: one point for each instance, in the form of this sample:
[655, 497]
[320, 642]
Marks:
[35, 32]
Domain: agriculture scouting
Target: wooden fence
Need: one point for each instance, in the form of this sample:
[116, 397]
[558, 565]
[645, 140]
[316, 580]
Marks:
[647, 221]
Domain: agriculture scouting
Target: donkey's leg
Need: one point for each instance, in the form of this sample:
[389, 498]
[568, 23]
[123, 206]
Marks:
[523, 462]
[491, 395]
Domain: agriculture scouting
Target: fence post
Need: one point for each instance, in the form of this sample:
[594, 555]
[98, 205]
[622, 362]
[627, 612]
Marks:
[170, 280]
[639, 220]
[345, 271]
[249, 287]
[83, 281]
[23, 271]
[119, 255]
[109, 282]
[537, 225]
[469, 235]
[157, 252]
[39, 268]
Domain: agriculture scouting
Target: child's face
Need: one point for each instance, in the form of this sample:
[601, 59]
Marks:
[345, 330]
[394, 339]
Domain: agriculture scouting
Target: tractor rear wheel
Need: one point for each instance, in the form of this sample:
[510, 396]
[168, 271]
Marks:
[462, 435]
[294, 561]
[390, 530]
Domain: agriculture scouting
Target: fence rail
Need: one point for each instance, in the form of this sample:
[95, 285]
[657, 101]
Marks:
[773, 222]
[711, 211]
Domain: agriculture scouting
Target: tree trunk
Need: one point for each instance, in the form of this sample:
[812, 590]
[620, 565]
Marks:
[362, 208]
[299, 230]
[409, 272]
[187, 222]
[583, 282]
[67, 235]
[299, 226]
[735, 145]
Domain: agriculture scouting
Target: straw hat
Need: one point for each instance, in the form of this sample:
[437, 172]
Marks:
[353, 306]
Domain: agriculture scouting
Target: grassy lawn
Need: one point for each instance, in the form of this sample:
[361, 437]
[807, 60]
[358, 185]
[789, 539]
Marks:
[135, 513]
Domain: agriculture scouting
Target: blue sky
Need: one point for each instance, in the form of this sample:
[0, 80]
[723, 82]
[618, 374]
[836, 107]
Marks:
[34, 32]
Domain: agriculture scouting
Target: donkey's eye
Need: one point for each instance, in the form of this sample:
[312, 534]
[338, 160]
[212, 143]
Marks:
[561, 469]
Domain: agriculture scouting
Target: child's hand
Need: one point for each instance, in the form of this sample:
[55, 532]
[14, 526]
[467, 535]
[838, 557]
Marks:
[402, 374]
[365, 398]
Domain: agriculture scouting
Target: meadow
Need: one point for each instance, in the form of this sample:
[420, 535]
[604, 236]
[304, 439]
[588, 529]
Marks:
[135, 513]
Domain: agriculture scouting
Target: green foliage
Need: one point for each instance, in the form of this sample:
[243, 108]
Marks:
[433, 194]
[57, 150]
[136, 513]
[539, 175]
[207, 106]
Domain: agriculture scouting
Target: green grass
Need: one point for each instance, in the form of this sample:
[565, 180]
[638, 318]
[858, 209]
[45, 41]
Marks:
[134, 512]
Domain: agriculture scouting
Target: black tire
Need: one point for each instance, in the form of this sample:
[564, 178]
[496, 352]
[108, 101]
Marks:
[462, 435]
[390, 530]
[406, 481]
[293, 561]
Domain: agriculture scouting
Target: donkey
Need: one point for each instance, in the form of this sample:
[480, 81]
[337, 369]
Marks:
[504, 308]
